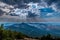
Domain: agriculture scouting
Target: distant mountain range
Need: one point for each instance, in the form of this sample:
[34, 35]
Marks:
[35, 29]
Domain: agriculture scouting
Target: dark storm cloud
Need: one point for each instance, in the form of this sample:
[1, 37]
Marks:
[49, 2]
[30, 14]
[1, 12]
[27, 1]
[55, 2]
[58, 5]
[18, 2]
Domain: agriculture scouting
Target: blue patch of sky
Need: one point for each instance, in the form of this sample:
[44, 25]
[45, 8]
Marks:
[47, 10]
[33, 6]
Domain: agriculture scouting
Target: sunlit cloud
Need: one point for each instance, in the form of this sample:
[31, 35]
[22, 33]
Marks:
[42, 10]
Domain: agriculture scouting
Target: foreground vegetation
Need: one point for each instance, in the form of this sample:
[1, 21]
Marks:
[13, 35]
[10, 35]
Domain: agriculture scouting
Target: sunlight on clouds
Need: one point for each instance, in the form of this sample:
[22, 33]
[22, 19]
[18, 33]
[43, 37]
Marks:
[5, 7]
[41, 10]
[49, 14]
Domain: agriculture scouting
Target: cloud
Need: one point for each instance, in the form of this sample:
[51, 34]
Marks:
[49, 14]
[34, 13]
[5, 7]
[30, 14]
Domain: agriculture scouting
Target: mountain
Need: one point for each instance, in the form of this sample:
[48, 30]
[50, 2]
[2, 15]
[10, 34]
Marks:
[27, 29]
[35, 29]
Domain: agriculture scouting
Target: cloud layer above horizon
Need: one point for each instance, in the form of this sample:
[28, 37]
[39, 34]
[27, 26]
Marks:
[36, 10]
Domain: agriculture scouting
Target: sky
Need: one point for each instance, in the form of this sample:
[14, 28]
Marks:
[47, 10]
[40, 11]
